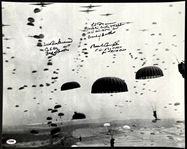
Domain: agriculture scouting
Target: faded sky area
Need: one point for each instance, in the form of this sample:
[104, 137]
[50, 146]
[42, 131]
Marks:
[149, 34]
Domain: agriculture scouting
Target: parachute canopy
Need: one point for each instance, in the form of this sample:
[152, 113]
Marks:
[176, 104]
[30, 19]
[49, 123]
[70, 85]
[53, 111]
[109, 85]
[53, 124]
[34, 131]
[106, 124]
[126, 127]
[149, 72]
[39, 44]
[78, 116]
[36, 10]
[120, 105]
[30, 23]
[74, 146]
[41, 36]
[60, 114]
[49, 118]
[57, 106]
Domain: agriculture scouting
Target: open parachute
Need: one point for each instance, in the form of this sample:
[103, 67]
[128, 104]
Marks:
[109, 85]
[78, 116]
[70, 85]
[149, 72]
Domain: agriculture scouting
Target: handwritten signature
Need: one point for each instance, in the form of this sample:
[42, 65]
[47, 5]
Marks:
[57, 43]
[105, 44]
[54, 50]
[51, 47]
[99, 29]
[101, 35]
[108, 47]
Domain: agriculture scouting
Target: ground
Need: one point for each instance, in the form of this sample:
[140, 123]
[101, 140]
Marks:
[163, 133]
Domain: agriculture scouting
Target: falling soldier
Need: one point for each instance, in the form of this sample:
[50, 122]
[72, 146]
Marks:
[155, 115]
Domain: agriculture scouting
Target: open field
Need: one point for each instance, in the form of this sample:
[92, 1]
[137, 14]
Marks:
[163, 133]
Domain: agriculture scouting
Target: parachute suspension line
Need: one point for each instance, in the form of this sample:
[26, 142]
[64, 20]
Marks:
[155, 105]
[152, 107]
[175, 57]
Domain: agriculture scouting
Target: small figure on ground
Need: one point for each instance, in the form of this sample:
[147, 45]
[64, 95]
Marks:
[112, 142]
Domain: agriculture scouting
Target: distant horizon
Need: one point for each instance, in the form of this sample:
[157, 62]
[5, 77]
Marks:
[80, 121]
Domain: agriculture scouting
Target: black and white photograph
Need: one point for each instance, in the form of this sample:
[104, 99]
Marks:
[93, 74]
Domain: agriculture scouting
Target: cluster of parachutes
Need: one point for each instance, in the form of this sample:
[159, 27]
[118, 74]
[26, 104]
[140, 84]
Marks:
[115, 84]
[109, 129]
[104, 85]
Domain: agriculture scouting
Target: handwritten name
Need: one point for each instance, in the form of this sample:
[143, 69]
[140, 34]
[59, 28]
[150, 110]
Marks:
[111, 25]
[53, 49]
[99, 29]
[59, 42]
[108, 47]
[101, 35]
[105, 44]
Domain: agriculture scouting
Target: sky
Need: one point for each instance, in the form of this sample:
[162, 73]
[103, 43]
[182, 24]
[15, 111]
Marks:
[149, 34]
